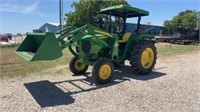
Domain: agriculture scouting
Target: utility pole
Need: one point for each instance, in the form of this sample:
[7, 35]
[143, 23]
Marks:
[198, 24]
[60, 13]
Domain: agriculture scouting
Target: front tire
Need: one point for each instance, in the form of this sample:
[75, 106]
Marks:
[76, 67]
[143, 57]
[102, 71]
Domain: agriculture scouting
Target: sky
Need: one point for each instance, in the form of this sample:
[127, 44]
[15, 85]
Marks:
[21, 16]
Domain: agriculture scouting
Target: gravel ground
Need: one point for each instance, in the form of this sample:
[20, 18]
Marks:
[174, 86]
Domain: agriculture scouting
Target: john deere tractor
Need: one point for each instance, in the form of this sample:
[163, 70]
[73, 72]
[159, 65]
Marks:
[92, 46]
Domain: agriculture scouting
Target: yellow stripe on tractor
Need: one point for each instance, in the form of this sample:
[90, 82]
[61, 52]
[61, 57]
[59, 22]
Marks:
[104, 33]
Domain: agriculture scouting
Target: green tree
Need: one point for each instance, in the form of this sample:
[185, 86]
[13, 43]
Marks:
[86, 11]
[184, 22]
[19, 34]
[168, 24]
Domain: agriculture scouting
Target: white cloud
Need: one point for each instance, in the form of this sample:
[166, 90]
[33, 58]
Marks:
[20, 8]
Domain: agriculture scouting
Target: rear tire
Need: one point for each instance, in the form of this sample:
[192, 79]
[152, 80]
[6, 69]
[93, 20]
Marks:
[76, 67]
[143, 57]
[102, 71]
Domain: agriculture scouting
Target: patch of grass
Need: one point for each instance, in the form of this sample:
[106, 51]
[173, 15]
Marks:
[10, 45]
[177, 49]
[12, 65]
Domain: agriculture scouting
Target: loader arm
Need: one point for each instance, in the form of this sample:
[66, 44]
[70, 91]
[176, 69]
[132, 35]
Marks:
[77, 34]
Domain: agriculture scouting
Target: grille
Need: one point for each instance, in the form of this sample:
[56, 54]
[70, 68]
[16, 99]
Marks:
[86, 46]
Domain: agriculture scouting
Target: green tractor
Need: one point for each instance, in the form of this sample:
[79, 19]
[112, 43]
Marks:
[92, 46]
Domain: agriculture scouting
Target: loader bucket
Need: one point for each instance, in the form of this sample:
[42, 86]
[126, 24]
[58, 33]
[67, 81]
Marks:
[39, 46]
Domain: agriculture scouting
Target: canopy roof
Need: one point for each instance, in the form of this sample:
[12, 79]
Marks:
[124, 11]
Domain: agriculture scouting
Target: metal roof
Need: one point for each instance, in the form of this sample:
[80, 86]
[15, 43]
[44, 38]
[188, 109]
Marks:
[124, 11]
[55, 24]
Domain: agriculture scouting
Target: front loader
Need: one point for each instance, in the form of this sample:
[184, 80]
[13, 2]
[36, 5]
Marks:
[92, 46]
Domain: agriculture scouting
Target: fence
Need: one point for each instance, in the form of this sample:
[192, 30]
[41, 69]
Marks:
[17, 39]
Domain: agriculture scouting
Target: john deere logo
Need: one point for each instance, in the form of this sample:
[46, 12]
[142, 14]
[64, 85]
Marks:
[116, 44]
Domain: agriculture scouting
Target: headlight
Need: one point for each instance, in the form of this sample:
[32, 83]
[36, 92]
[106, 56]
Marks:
[86, 31]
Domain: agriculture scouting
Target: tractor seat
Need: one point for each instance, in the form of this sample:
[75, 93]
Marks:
[125, 37]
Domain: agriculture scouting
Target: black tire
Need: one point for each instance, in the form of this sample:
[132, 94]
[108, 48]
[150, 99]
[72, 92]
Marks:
[73, 67]
[99, 68]
[136, 57]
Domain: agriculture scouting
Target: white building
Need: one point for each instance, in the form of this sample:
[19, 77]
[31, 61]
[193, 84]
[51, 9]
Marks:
[48, 27]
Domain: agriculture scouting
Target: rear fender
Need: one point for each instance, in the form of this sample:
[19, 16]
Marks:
[133, 40]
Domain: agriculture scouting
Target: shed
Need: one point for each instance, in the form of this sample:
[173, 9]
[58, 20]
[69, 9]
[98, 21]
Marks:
[48, 27]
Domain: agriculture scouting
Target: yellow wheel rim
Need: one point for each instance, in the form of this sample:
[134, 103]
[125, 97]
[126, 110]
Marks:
[79, 66]
[105, 72]
[147, 58]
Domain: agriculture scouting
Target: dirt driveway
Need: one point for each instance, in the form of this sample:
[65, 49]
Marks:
[173, 86]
